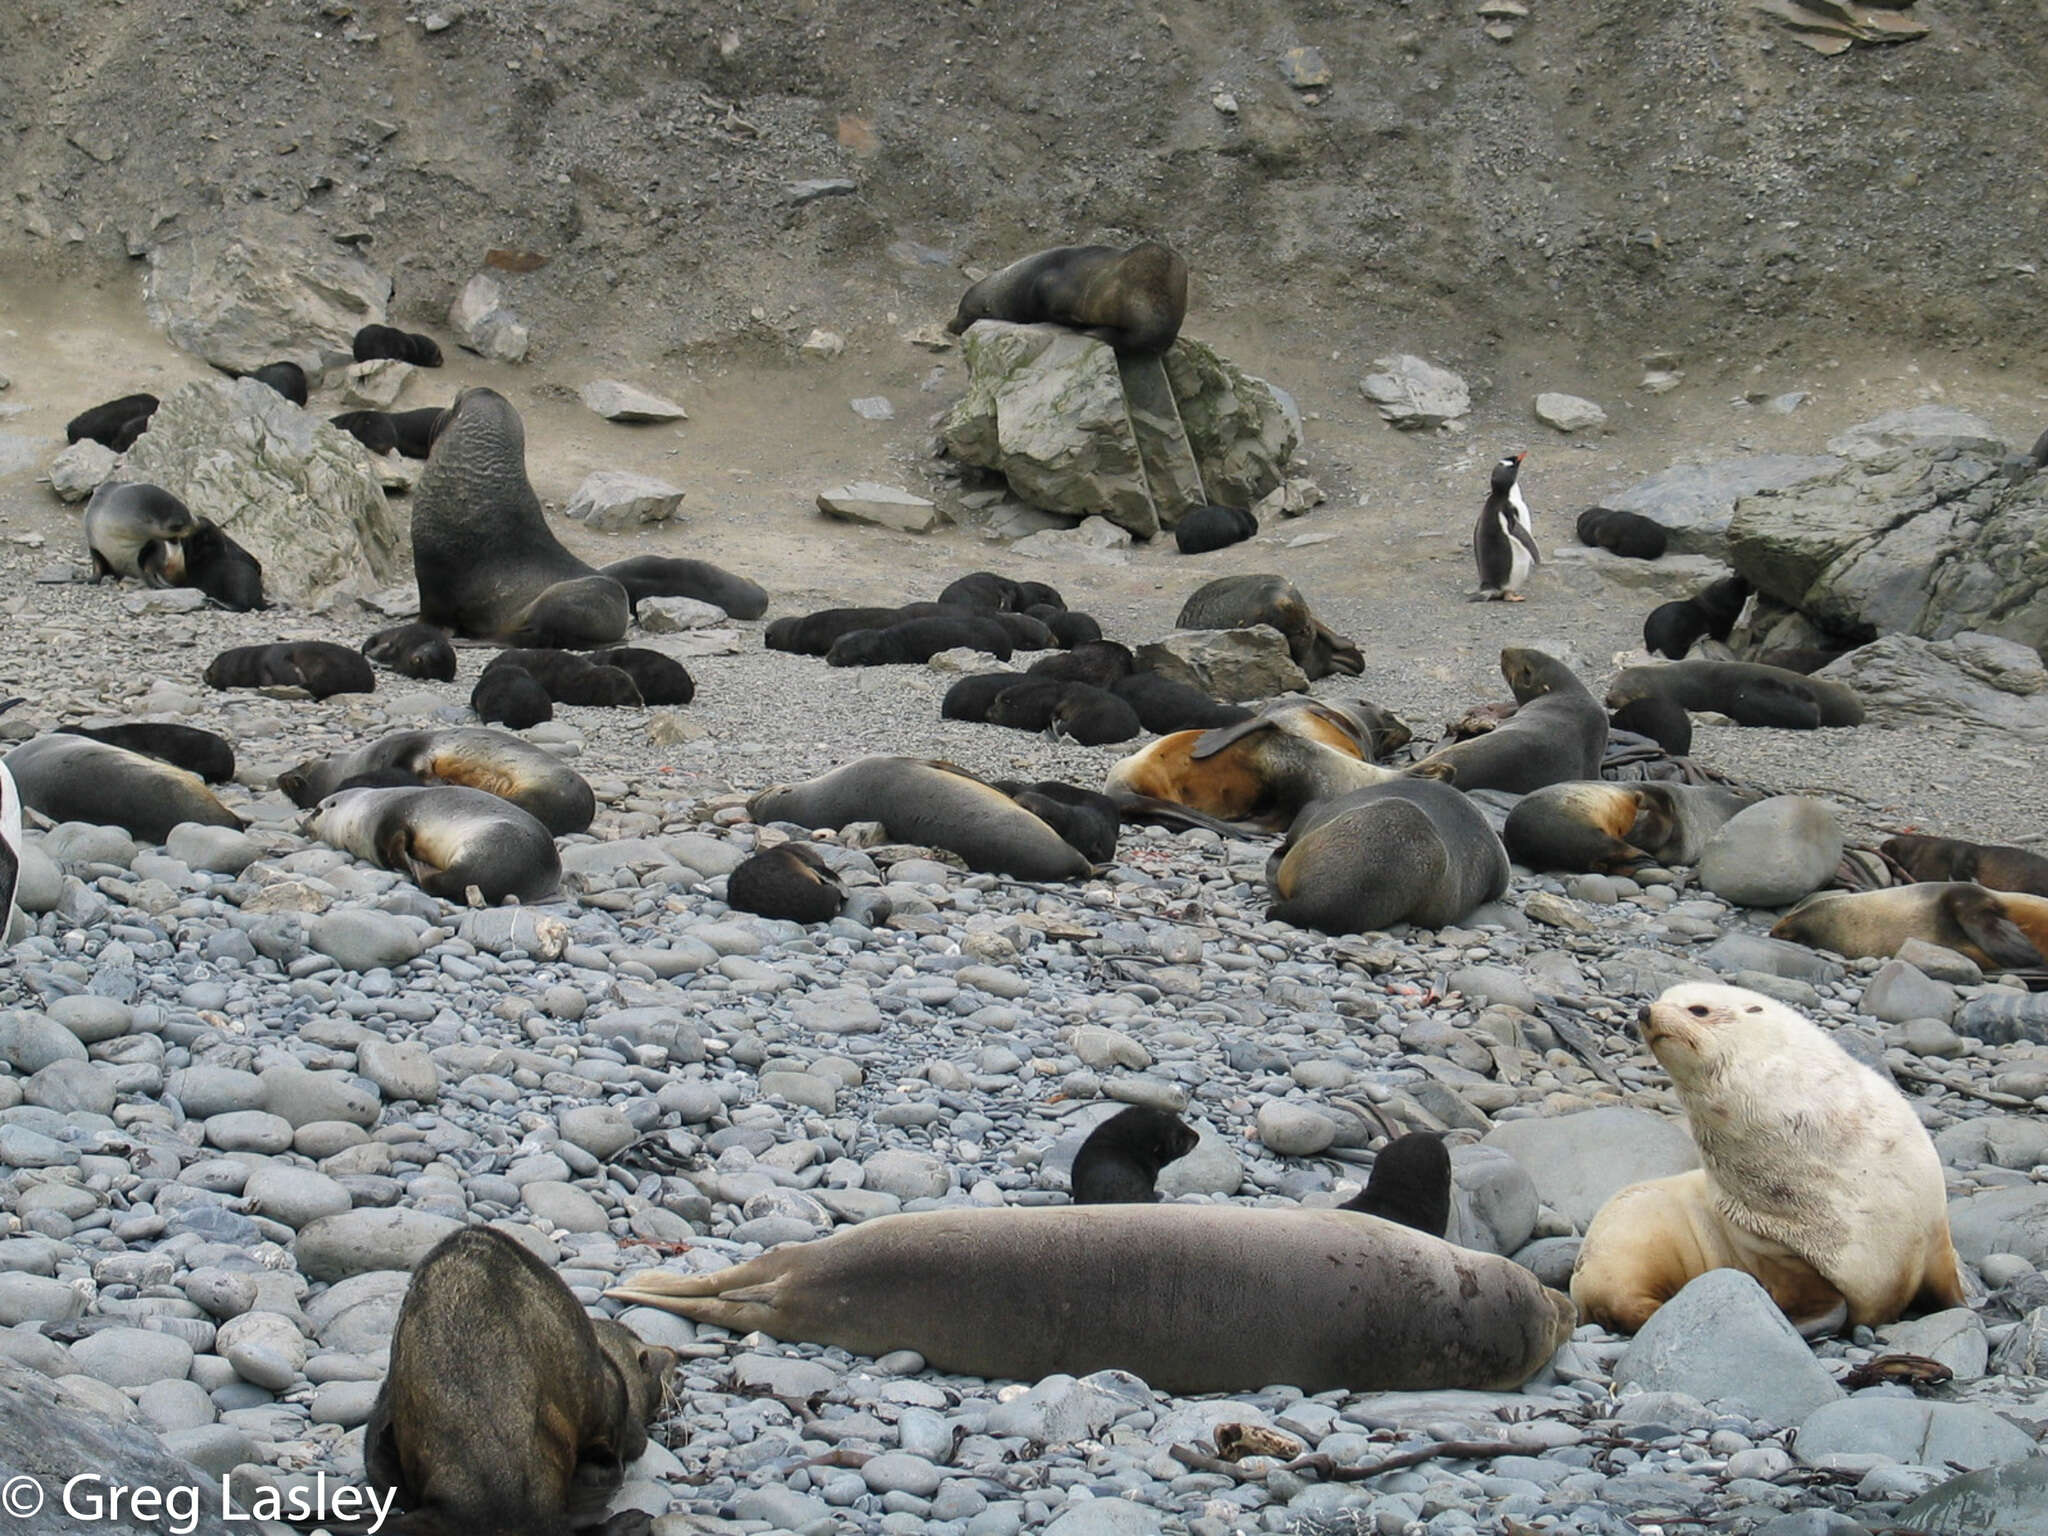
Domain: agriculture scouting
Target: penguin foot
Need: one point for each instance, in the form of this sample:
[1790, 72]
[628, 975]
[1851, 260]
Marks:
[1513, 597]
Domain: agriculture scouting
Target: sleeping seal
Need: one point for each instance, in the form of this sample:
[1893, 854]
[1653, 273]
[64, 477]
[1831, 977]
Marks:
[444, 839]
[74, 778]
[1745, 692]
[1135, 300]
[1412, 850]
[1999, 930]
[1997, 865]
[1262, 770]
[532, 778]
[1590, 826]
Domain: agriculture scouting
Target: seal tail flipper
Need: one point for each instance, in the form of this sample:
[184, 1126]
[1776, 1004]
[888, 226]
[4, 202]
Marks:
[1150, 809]
[705, 1298]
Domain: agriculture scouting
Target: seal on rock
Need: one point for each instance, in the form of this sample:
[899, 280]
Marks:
[182, 746]
[1997, 865]
[125, 517]
[1628, 534]
[2000, 930]
[115, 424]
[444, 839]
[1557, 732]
[1135, 300]
[74, 778]
[646, 576]
[413, 650]
[1746, 693]
[1204, 530]
[1412, 850]
[1158, 1290]
[486, 562]
[381, 341]
[288, 379]
[512, 697]
[1239, 602]
[931, 803]
[1674, 628]
[790, 881]
[1590, 826]
[506, 1407]
[320, 667]
[530, 777]
[1119, 1163]
[208, 560]
[1818, 1178]
[1410, 1184]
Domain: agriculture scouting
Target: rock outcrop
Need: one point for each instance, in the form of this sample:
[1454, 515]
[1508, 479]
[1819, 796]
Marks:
[1692, 503]
[1974, 680]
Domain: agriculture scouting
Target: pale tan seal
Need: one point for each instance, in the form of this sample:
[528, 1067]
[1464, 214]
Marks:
[1818, 1178]
[445, 838]
[1192, 1298]
[1997, 929]
[1590, 825]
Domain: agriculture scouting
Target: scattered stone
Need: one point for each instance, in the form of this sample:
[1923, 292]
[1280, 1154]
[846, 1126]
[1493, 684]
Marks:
[1773, 853]
[613, 501]
[375, 385]
[1568, 413]
[77, 472]
[483, 324]
[873, 408]
[1974, 681]
[880, 506]
[822, 345]
[1723, 1340]
[1693, 503]
[1867, 1430]
[623, 402]
[1228, 664]
[1579, 1160]
[1413, 394]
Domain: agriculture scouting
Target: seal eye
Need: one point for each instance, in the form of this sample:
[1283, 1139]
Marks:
[1699, 1010]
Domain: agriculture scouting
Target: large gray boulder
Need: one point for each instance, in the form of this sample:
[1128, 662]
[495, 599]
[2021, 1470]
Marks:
[1578, 1161]
[2011, 1499]
[1921, 428]
[1973, 681]
[1414, 394]
[298, 494]
[268, 290]
[1228, 664]
[1723, 1340]
[1692, 503]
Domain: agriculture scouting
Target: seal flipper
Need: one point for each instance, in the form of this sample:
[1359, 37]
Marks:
[1977, 913]
[1151, 810]
[706, 1298]
[1214, 740]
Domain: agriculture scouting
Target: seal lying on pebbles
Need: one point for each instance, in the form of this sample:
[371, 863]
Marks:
[1660, 720]
[1087, 820]
[444, 839]
[1997, 929]
[1204, 530]
[74, 778]
[486, 563]
[1997, 865]
[510, 696]
[1159, 1290]
[1590, 826]
[1412, 850]
[1819, 1179]
[790, 881]
[918, 640]
[1119, 1163]
[1410, 1184]
[645, 576]
[115, 424]
[572, 679]
[208, 560]
[1239, 602]
[1264, 773]
[123, 518]
[1135, 300]
[413, 650]
[1557, 732]
[1745, 692]
[506, 1408]
[660, 678]
[533, 779]
[182, 746]
[320, 667]
[931, 803]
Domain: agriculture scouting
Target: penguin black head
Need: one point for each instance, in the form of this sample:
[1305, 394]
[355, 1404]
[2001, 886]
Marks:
[1505, 471]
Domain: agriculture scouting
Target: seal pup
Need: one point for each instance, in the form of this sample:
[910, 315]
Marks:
[1590, 826]
[506, 1407]
[1067, 629]
[1410, 1184]
[790, 881]
[973, 696]
[287, 378]
[413, 650]
[645, 576]
[572, 679]
[1089, 821]
[1412, 850]
[1660, 720]
[1098, 663]
[486, 563]
[1204, 530]
[320, 667]
[1746, 693]
[1119, 1163]
[1817, 1178]
[931, 803]
[1628, 534]
[1557, 732]
[2001, 867]
[985, 590]
[1135, 300]
[74, 778]
[660, 678]
[1166, 704]
[512, 697]
[1999, 930]
[373, 429]
[444, 839]
[124, 518]
[530, 777]
[1159, 1290]
[115, 424]
[208, 560]
[813, 634]
[1092, 717]
[1029, 705]
[415, 430]
[1239, 602]
[381, 341]
[182, 746]
[919, 640]
[1503, 542]
[1674, 628]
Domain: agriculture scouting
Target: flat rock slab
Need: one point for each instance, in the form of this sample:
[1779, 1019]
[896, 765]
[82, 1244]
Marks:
[1414, 394]
[622, 402]
[879, 506]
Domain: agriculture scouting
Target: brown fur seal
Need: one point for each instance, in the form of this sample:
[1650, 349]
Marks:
[790, 881]
[506, 1408]
[646, 576]
[1746, 693]
[320, 667]
[1410, 1184]
[1407, 851]
[931, 803]
[2001, 867]
[1818, 1178]
[512, 697]
[74, 778]
[1264, 775]
[572, 679]
[533, 779]
[1204, 530]
[1160, 1290]
[1997, 929]
[1119, 1163]
[413, 650]
[1591, 826]
[1558, 732]
[1085, 819]
[207, 560]
[486, 562]
[1674, 628]
[125, 517]
[1239, 602]
[1135, 300]
[444, 839]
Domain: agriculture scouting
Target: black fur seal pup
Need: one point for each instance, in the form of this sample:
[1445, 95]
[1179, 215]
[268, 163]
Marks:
[1628, 534]
[1997, 865]
[445, 839]
[984, 590]
[415, 429]
[972, 696]
[1672, 629]
[660, 678]
[75, 778]
[572, 679]
[413, 650]
[1068, 629]
[1409, 851]
[1410, 1183]
[182, 746]
[320, 667]
[379, 341]
[1135, 300]
[813, 634]
[208, 560]
[507, 1409]
[1205, 530]
[109, 424]
[373, 429]
[1239, 602]
[1119, 1163]
[530, 777]
[1661, 720]
[1093, 717]
[511, 697]
[1558, 732]
[1028, 705]
[1166, 704]
[288, 379]
[1089, 820]
[124, 518]
[646, 576]
[485, 561]
[919, 640]
[1025, 632]
[1098, 663]
[790, 881]
[1746, 693]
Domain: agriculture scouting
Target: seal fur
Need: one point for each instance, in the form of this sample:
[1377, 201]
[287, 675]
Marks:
[75, 778]
[1998, 865]
[1135, 300]
[1999, 930]
[1590, 826]
[1557, 732]
[1747, 693]
[444, 839]
[530, 777]
[1412, 850]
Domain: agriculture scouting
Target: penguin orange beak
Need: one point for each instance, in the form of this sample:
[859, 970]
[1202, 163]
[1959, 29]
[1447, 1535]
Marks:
[1521, 456]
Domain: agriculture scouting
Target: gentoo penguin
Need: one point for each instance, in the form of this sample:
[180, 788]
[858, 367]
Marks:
[1503, 544]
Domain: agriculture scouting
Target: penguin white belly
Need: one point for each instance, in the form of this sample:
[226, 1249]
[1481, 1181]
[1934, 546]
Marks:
[1520, 564]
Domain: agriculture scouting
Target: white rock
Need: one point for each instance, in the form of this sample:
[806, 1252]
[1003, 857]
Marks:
[77, 472]
[612, 500]
[1569, 413]
[881, 506]
[483, 323]
[377, 384]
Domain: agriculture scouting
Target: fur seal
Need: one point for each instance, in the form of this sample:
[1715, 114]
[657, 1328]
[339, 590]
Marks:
[1997, 865]
[182, 746]
[790, 881]
[1818, 1178]
[380, 341]
[533, 779]
[115, 424]
[646, 576]
[660, 678]
[572, 679]
[415, 430]
[984, 590]
[125, 517]
[1746, 693]
[288, 379]
[413, 650]
[1067, 629]
[486, 562]
[74, 778]
[1204, 530]
[1413, 850]
[1028, 704]
[930, 803]
[506, 1407]
[1159, 1290]
[1135, 300]
[373, 429]
[1590, 826]
[1628, 534]
[2000, 930]
[512, 697]
[1557, 732]
[320, 667]
[1264, 776]
[1672, 629]
[919, 640]
[1092, 717]
[206, 559]
[973, 696]
[1239, 602]
[813, 634]
[1098, 663]
[1410, 1184]
[1119, 1163]
[1089, 821]
[1166, 704]
[1660, 720]
[444, 839]
[1355, 726]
